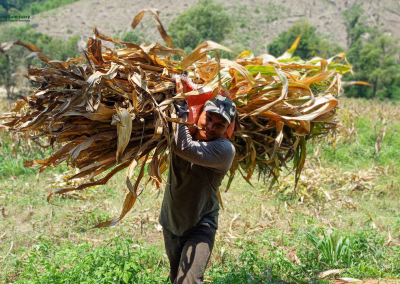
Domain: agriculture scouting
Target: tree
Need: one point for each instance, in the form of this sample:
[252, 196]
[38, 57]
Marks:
[133, 36]
[13, 59]
[377, 62]
[375, 58]
[204, 21]
[354, 27]
[311, 44]
[3, 11]
[7, 67]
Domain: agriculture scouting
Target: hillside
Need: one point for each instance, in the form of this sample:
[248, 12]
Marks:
[258, 21]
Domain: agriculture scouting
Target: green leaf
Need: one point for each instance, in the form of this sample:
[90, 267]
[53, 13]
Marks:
[126, 276]
[264, 70]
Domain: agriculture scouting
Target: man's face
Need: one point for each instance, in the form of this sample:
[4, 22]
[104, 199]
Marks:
[213, 125]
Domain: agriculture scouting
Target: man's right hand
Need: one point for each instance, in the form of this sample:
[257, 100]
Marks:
[181, 108]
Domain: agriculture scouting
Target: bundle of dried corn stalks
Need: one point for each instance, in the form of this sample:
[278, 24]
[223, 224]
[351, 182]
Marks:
[112, 109]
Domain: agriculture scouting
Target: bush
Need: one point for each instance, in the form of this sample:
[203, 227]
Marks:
[311, 43]
[204, 21]
[133, 36]
[375, 58]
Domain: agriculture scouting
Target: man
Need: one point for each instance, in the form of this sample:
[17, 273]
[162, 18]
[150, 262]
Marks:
[189, 213]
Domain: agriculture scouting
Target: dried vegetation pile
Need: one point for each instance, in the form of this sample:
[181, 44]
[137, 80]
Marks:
[112, 109]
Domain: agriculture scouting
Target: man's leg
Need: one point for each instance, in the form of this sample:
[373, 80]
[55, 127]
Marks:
[174, 251]
[195, 255]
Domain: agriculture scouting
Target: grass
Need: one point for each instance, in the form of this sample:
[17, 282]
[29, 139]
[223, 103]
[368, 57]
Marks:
[344, 215]
[116, 261]
[16, 150]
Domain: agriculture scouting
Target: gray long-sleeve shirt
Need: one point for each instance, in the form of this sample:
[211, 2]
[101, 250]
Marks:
[196, 171]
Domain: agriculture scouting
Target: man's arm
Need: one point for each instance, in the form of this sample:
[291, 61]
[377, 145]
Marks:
[217, 154]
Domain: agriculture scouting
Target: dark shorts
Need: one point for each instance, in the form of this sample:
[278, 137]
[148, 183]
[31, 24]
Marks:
[188, 255]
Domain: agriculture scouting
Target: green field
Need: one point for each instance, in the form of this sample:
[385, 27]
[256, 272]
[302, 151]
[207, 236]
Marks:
[345, 214]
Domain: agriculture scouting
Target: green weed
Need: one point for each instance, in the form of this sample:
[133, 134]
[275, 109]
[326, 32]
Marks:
[362, 252]
[15, 151]
[118, 261]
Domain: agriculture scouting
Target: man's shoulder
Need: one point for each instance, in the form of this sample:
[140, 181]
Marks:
[226, 145]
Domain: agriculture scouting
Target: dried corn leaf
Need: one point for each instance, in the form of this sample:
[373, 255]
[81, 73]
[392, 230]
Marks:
[124, 129]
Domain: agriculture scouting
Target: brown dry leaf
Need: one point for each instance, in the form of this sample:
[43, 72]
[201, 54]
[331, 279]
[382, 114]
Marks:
[19, 105]
[220, 200]
[389, 239]
[124, 126]
[157, 49]
[349, 83]
[349, 280]
[33, 48]
[3, 212]
[161, 30]
[292, 255]
[92, 240]
[200, 53]
[158, 128]
[231, 233]
[322, 275]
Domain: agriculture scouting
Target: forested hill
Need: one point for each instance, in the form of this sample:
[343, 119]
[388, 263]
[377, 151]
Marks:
[258, 21]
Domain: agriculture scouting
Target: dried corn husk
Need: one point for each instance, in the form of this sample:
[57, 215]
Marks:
[111, 109]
